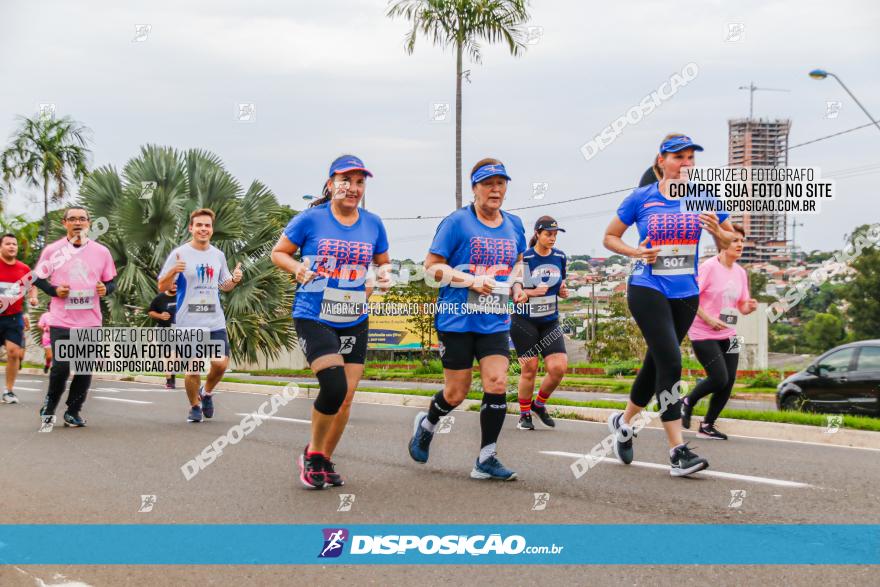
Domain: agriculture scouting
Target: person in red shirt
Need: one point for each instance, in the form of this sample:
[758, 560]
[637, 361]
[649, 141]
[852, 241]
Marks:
[12, 315]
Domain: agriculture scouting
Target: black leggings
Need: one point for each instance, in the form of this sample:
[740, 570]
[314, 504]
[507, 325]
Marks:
[79, 385]
[720, 369]
[664, 322]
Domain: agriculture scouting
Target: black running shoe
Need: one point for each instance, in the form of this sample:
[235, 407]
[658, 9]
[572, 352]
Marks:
[623, 441]
[544, 415]
[709, 431]
[311, 471]
[333, 479]
[73, 420]
[685, 462]
[686, 411]
[525, 422]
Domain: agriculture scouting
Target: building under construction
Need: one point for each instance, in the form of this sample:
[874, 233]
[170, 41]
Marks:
[761, 143]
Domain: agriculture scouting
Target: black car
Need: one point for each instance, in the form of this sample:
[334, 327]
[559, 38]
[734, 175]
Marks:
[844, 380]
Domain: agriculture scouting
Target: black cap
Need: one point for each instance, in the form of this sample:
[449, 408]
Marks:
[547, 223]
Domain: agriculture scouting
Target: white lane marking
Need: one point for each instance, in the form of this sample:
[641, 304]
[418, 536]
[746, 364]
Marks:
[30, 380]
[20, 387]
[707, 472]
[119, 399]
[262, 417]
[811, 443]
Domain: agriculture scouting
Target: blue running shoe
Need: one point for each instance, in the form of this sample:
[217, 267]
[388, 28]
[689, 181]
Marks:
[195, 414]
[207, 404]
[492, 468]
[73, 420]
[421, 440]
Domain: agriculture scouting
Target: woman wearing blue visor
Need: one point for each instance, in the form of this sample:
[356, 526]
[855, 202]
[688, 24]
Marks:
[337, 242]
[663, 295]
[475, 258]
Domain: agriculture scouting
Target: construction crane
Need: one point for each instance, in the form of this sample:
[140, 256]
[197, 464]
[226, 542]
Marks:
[752, 88]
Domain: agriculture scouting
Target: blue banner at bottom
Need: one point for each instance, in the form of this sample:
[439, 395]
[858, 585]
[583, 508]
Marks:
[673, 544]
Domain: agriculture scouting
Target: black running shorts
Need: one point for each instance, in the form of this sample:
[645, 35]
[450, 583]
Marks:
[531, 338]
[459, 349]
[317, 339]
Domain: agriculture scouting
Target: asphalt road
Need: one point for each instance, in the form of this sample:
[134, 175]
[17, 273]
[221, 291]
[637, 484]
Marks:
[137, 440]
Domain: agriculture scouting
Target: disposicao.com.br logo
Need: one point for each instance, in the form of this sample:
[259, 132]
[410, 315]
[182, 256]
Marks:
[430, 544]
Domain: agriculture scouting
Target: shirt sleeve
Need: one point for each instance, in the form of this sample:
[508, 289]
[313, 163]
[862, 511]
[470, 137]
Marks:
[169, 263]
[445, 238]
[225, 274]
[744, 295]
[628, 209]
[381, 239]
[564, 269]
[154, 305]
[296, 230]
[109, 271]
[521, 244]
[703, 275]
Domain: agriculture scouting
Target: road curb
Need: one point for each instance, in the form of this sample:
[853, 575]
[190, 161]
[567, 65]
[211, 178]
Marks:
[744, 428]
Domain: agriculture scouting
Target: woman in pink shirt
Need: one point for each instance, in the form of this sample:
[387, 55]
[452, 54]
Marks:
[724, 289]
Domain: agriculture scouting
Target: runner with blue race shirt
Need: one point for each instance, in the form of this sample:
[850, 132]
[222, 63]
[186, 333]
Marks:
[535, 327]
[475, 253]
[663, 295]
[337, 242]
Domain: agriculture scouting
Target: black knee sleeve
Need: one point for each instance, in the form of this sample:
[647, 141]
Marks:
[333, 387]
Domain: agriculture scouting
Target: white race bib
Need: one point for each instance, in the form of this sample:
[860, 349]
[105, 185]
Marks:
[675, 260]
[491, 303]
[342, 305]
[541, 306]
[80, 299]
[10, 290]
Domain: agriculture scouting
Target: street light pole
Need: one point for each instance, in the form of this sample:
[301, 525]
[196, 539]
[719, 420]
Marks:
[822, 74]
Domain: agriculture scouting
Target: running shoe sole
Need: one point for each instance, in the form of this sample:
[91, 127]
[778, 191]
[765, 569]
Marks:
[302, 478]
[477, 474]
[519, 426]
[678, 472]
[702, 434]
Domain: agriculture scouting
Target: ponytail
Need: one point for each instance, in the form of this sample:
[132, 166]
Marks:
[534, 240]
[325, 197]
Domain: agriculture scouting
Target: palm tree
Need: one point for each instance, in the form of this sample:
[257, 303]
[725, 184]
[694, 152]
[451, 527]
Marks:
[46, 152]
[461, 24]
[148, 208]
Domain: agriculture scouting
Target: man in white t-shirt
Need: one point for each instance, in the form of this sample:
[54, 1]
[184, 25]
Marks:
[200, 272]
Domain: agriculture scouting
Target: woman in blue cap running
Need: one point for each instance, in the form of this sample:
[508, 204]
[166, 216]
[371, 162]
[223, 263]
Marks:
[337, 242]
[663, 295]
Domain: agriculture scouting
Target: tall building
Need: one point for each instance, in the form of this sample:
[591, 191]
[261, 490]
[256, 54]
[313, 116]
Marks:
[760, 143]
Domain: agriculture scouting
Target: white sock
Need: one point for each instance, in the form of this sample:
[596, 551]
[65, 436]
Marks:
[487, 452]
[428, 425]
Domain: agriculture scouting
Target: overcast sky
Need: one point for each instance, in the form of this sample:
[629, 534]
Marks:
[331, 77]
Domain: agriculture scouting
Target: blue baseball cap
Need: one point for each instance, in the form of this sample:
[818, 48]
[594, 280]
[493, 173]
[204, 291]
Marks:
[676, 144]
[487, 171]
[348, 163]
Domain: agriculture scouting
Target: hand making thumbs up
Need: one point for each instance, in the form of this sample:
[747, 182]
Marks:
[179, 265]
[236, 273]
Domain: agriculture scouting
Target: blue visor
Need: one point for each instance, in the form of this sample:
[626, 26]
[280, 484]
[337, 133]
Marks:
[677, 144]
[487, 171]
[348, 163]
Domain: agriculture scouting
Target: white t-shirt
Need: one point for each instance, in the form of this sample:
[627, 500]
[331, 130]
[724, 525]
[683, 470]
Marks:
[198, 292]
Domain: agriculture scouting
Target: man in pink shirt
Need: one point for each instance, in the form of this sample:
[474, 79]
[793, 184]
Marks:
[76, 272]
[724, 289]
